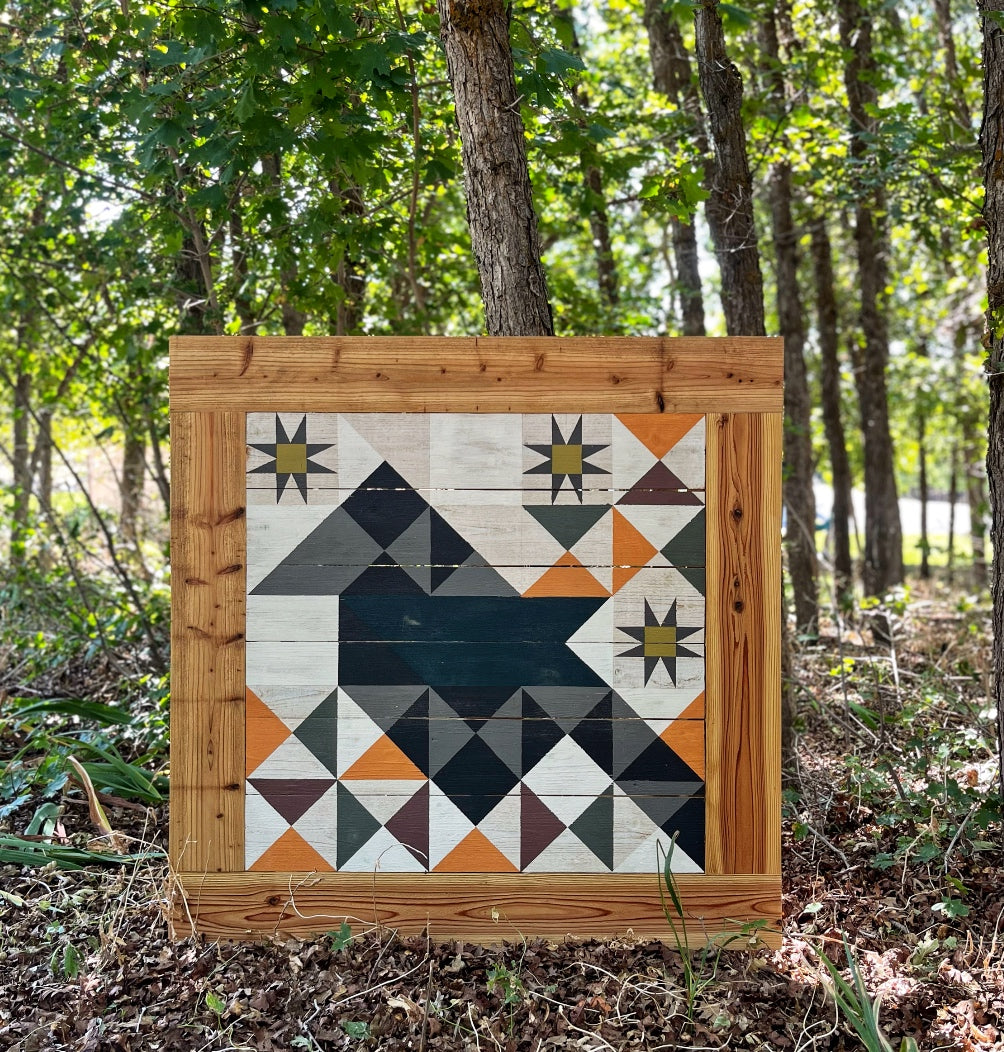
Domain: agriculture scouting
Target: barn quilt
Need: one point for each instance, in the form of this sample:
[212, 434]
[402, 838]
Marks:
[475, 642]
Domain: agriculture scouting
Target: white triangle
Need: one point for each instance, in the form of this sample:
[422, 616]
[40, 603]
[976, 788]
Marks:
[356, 732]
[263, 825]
[659, 703]
[502, 825]
[402, 439]
[645, 858]
[357, 459]
[632, 459]
[566, 854]
[448, 825]
[598, 629]
[383, 853]
[318, 826]
[273, 532]
[567, 766]
[632, 828]
[686, 458]
[292, 704]
[594, 549]
[293, 760]
[659, 523]
[383, 799]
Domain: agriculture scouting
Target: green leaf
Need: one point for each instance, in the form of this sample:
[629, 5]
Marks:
[246, 104]
[215, 1003]
[556, 62]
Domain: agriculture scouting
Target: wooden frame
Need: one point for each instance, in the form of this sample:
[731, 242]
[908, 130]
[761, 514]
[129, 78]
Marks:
[737, 383]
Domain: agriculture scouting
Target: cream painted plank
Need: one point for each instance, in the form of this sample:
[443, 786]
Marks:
[292, 664]
[292, 618]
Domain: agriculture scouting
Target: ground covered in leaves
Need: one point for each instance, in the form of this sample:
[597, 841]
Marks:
[891, 852]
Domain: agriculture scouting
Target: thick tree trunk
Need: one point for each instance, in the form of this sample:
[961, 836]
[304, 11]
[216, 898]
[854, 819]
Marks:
[672, 77]
[840, 467]
[730, 207]
[799, 499]
[475, 35]
[992, 145]
[883, 562]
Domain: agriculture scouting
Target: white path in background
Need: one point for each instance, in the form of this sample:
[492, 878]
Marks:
[938, 512]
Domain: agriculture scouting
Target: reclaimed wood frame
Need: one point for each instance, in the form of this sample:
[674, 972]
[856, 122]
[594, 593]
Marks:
[736, 382]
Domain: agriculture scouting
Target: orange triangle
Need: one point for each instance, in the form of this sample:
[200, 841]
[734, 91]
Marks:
[566, 577]
[264, 731]
[291, 854]
[686, 738]
[475, 854]
[631, 550]
[659, 431]
[695, 710]
[385, 761]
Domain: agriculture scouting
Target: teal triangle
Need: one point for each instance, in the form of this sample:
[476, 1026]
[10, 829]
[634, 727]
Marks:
[317, 732]
[687, 548]
[696, 575]
[595, 828]
[355, 826]
[568, 524]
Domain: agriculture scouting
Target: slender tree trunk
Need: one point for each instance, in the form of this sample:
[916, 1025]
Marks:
[131, 483]
[475, 35]
[672, 77]
[977, 500]
[883, 562]
[730, 207]
[22, 468]
[953, 497]
[925, 544]
[799, 499]
[992, 145]
[293, 319]
[826, 325]
[242, 302]
[349, 274]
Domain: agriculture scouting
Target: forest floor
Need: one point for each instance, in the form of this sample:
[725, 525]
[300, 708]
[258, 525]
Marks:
[891, 841]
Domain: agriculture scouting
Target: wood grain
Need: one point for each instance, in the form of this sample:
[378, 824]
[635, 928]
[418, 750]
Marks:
[743, 634]
[477, 375]
[481, 908]
[207, 641]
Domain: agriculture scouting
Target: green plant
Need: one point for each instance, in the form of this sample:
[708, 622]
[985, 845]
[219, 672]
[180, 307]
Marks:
[507, 981]
[357, 1029]
[858, 1007]
[341, 937]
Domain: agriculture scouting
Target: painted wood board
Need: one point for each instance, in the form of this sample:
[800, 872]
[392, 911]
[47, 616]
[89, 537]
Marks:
[739, 379]
[427, 607]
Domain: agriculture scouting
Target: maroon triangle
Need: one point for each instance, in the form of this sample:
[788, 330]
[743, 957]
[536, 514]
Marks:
[292, 797]
[659, 486]
[539, 827]
[411, 825]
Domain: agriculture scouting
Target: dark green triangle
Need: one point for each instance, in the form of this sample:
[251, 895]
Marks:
[687, 548]
[568, 524]
[696, 575]
[355, 825]
[595, 828]
[318, 732]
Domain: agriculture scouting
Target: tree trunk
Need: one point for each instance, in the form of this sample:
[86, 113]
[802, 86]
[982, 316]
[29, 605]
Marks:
[22, 468]
[131, 482]
[826, 324]
[953, 497]
[883, 562]
[925, 544]
[475, 35]
[977, 500]
[730, 207]
[672, 77]
[799, 499]
[992, 145]
[293, 319]
[349, 274]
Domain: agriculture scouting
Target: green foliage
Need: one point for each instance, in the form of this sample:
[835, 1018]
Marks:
[858, 1007]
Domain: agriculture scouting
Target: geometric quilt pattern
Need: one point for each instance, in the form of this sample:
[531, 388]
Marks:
[475, 642]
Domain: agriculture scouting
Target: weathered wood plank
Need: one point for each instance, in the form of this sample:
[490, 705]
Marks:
[433, 374]
[480, 908]
[207, 642]
[744, 643]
